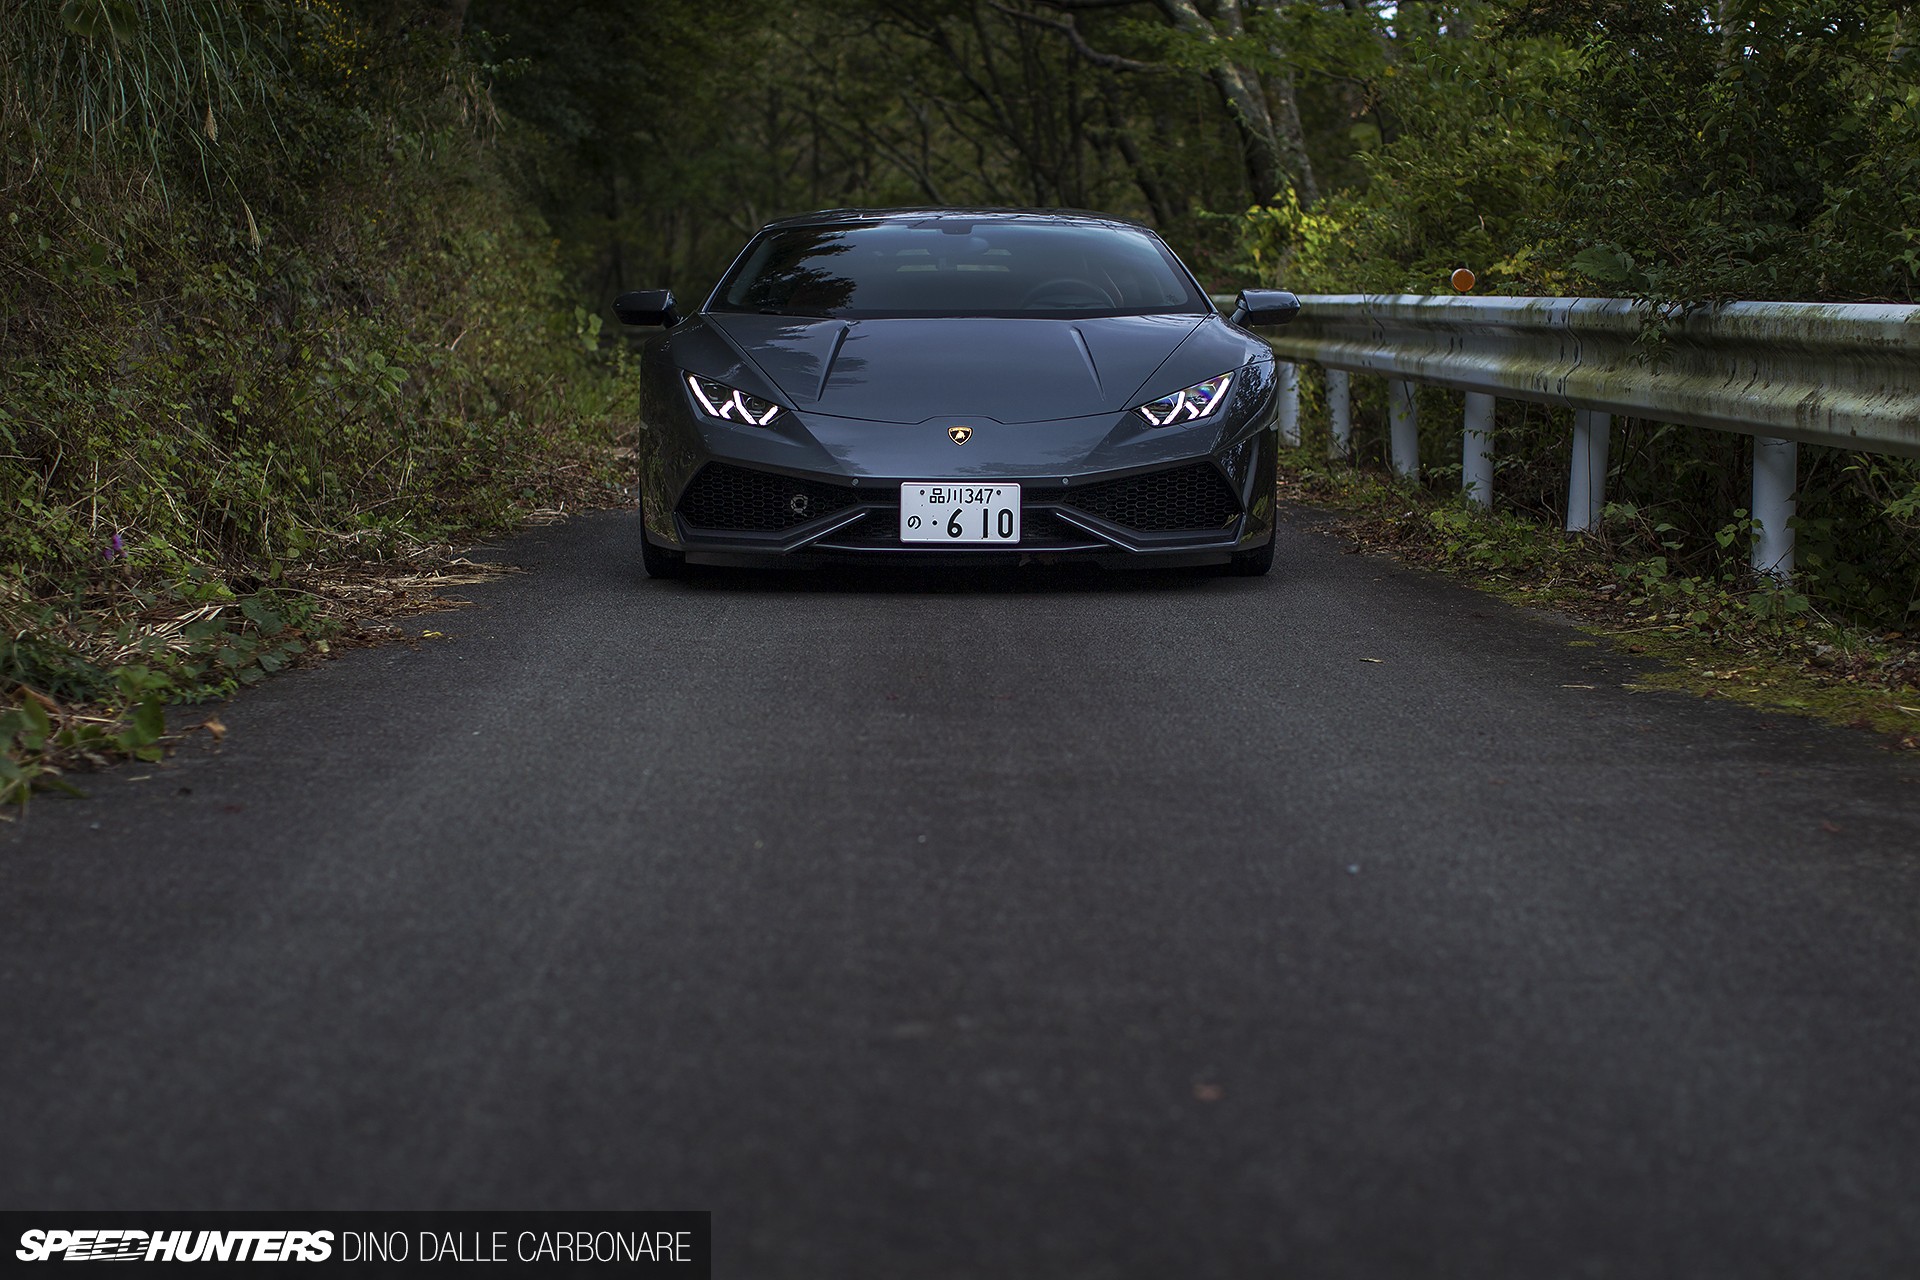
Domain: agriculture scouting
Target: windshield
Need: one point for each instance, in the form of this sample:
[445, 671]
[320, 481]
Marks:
[955, 267]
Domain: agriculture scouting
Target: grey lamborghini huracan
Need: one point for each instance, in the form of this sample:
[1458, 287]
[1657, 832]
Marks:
[957, 386]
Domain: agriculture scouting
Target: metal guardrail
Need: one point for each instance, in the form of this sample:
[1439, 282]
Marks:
[1846, 376]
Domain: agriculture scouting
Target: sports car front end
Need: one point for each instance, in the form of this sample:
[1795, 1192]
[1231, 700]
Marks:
[956, 387]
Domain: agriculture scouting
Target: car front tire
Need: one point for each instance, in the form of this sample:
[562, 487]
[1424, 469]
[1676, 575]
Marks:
[659, 562]
[1252, 564]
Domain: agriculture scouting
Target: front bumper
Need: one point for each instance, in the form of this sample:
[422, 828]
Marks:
[1192, 513]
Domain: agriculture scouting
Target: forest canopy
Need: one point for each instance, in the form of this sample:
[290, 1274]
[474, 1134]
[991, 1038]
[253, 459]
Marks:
[1752, 148]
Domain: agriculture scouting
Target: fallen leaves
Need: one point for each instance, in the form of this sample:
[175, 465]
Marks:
[165, 646]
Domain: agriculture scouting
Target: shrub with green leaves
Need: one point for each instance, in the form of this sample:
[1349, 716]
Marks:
[1758, 149]
[265, 301]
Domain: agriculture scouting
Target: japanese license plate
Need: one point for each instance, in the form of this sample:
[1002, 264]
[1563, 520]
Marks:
[943, 512]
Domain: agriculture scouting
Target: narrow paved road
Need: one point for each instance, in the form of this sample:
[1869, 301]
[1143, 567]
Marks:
[1095, 926]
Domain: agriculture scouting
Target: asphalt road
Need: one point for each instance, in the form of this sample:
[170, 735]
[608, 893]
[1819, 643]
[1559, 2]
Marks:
[1088, 926]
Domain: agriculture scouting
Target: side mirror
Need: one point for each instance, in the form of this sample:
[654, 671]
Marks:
[1264, 306]
[646, 306]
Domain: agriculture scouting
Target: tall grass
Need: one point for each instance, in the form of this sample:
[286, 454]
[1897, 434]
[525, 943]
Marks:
[91, 77]
[266, 306]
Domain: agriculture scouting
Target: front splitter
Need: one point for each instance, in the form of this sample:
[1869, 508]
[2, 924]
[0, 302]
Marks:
[891, 558]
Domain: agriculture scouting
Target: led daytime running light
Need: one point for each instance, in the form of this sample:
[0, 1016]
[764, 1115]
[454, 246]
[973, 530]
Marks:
[723, 401]
[1188, 405]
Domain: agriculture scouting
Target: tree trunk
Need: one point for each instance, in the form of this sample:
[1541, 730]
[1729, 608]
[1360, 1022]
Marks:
[1293, 139]
[1165, 213]
[1241, 91]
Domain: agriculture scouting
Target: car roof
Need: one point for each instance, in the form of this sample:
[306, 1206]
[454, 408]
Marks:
[828, 217]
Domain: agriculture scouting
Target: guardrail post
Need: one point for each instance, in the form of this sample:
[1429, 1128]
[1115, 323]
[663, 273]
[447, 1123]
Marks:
[1289, 374]
[1339, 414]
[1476, 450]
[1776, 465]
[1587, 483]
[1405, 429]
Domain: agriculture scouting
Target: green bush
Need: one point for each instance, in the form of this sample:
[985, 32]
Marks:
[265, 301]
[1633, 148]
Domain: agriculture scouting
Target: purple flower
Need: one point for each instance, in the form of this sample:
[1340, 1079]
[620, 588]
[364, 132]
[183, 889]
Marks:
[115, 548]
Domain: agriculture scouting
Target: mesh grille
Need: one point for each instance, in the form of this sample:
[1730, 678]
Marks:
[1194, 497]
[729, 497]
[723, 496]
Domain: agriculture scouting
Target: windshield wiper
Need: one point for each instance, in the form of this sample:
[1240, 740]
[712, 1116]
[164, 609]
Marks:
[811, 313]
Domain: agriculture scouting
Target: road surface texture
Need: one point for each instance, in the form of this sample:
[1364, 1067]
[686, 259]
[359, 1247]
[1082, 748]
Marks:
[1341, 923]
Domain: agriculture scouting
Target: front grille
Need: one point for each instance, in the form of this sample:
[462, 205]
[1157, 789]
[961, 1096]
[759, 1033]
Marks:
[1038, 531]
[1194, 497]
[728, 497]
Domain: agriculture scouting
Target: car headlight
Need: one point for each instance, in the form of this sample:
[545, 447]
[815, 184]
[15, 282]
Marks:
[1189, 405]
[723, 401]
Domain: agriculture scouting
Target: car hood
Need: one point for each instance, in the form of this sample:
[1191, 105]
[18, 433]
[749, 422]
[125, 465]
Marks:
[1005, 370]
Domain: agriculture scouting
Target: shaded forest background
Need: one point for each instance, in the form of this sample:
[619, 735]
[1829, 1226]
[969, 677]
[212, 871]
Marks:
[1557, 146]
[289, 286]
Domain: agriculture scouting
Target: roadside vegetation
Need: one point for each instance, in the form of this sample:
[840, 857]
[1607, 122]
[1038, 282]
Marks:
[270, 316]
[1756, 150]
[297, 295]
[1717, 632]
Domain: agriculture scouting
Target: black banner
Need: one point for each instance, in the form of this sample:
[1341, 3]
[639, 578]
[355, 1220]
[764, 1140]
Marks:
[663, 1244]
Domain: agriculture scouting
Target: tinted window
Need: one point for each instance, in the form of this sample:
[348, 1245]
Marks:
[949, 267]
